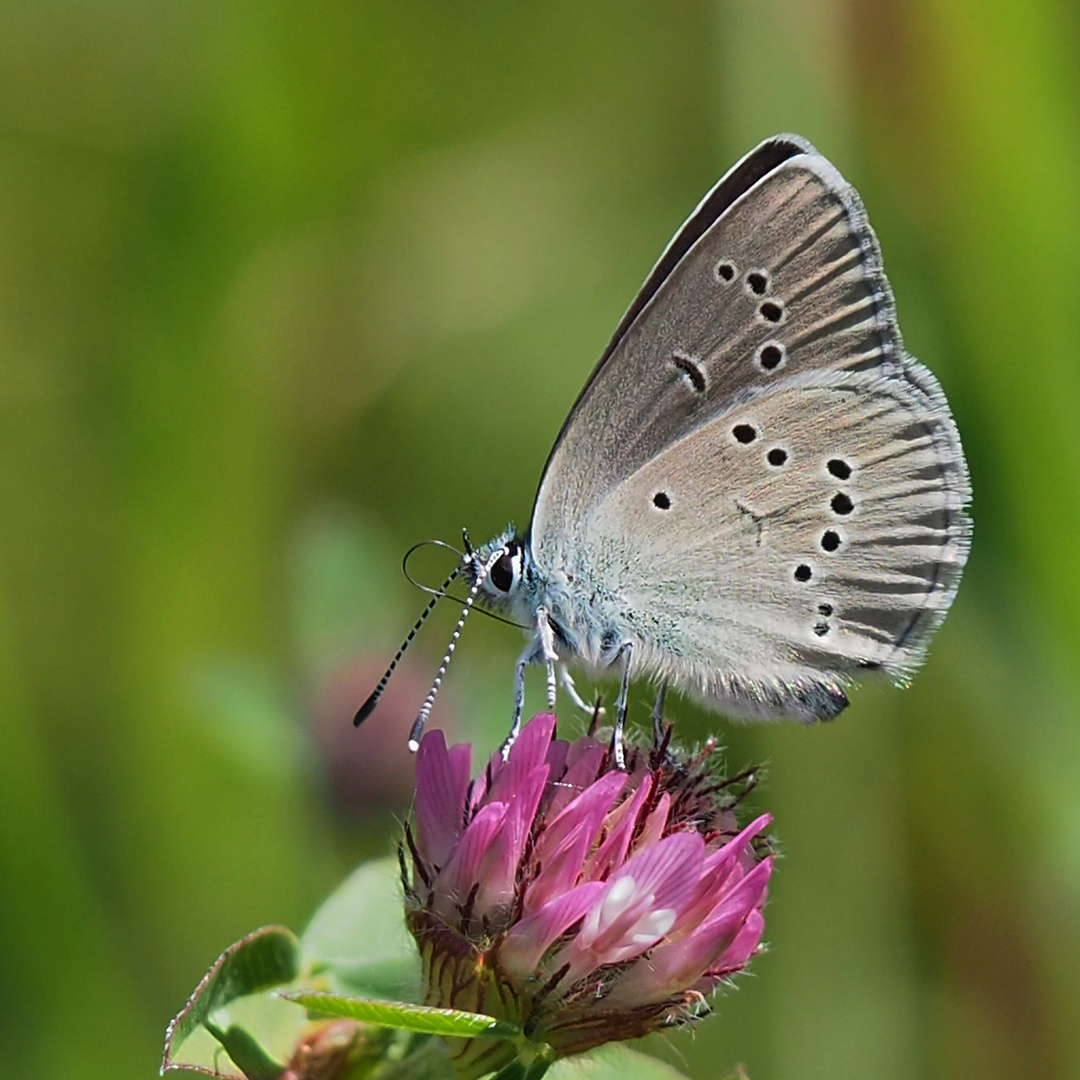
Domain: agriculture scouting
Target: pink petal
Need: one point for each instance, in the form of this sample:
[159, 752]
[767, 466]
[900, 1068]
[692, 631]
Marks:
[745, 895]
[654, 823]
[599, 795]
[529, 939]
[586, 747]
[567, 840]
[734, 847]
[748, 891]
[620, 823]
[744, 946]
[531, 746]
[717, 940]
[638, 906]
[722, 870]
[498, 872]
[583, 762]
[556, 757]
[529, 750]
[455, 881]
[668, 870]
[677, 965]
[442, 780]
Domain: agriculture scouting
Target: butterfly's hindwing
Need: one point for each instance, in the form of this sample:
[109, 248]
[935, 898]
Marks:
[765, 550]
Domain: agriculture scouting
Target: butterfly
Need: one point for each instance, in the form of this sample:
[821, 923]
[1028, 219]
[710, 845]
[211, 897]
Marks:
[758, 496]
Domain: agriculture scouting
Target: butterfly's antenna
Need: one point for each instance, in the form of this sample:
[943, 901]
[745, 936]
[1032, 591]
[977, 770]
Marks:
[467, 553]
[415, 548]
[368, 707]
[429, 701]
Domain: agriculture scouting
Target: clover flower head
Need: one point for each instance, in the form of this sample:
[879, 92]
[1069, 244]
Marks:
[582, 902]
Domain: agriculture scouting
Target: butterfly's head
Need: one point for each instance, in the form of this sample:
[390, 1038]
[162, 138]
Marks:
[501, 567]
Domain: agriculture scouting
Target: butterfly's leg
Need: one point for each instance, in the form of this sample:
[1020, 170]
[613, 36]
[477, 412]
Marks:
[626, 651]
[568, 685]
[518, 700]
[547, 644]
[658, 714]
[533, 652]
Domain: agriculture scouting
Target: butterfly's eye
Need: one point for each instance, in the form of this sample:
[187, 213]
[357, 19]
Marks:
[502, 573]
[505, 570]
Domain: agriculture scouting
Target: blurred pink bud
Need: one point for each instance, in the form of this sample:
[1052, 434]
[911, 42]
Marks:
[370, 768]
[581, 902]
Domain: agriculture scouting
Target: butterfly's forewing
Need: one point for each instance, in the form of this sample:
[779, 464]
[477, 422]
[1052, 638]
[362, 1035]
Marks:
[774, 319]
[796, 221]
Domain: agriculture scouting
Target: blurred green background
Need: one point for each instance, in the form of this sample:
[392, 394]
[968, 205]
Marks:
[286, 287]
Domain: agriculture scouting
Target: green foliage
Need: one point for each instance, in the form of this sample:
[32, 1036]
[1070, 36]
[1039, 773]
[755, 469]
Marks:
[358, 936]
[262, 961]
[354, 939]
[250, 1056]
[399, 1014]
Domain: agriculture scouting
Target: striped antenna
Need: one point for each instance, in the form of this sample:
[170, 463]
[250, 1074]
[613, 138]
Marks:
[429, 701]
[368, 707]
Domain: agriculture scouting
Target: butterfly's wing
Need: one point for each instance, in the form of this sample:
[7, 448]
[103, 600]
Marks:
[761, 560]
[689, 344]
[771, 301]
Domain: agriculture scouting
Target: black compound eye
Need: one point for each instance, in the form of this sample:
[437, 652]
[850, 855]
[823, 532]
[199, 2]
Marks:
[502, 573]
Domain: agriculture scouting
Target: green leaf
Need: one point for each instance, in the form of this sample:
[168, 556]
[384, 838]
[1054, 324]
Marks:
[247, 1053]
[527, 1067]
[399, 1014]
[612, 1062]
[261, 1030]
[359, 935]
[267, 958]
